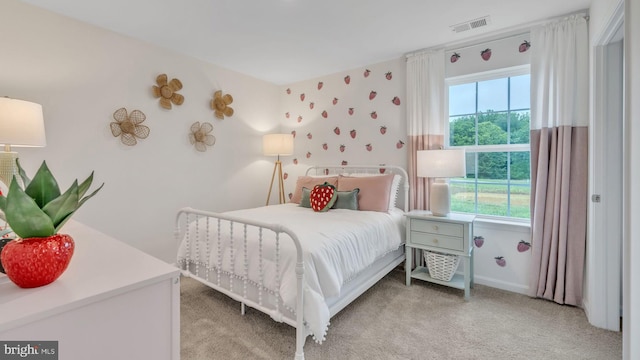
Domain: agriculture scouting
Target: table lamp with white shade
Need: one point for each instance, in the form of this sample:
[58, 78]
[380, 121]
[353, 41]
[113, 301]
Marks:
[21, 125]
[440, 164]
[277, 145]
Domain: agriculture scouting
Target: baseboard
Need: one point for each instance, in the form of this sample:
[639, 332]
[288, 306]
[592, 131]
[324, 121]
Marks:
[513, 287]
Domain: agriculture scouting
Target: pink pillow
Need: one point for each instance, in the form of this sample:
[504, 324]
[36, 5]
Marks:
[374, 190]
[309, 182]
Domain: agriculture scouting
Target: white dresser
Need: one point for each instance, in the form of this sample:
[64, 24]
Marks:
[112, 302]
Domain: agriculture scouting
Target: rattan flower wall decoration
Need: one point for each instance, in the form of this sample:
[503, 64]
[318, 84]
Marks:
[221, 103]
[128, 126]
[200, 136]
[166, 91]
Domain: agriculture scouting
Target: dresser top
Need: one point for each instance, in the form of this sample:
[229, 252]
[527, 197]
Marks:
[101, 267]
[452, 217]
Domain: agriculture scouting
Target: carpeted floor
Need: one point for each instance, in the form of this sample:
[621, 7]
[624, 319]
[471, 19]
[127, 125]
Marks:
[392, 321]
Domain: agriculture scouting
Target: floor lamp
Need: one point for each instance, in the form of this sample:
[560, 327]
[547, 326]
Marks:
[440, 164]
[277, 145]
[21, 124]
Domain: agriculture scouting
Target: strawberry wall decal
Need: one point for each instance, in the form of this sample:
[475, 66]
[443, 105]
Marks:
[321, 101]
[290, 196]
[454, 57]
[288, 91]
[285, 176]
[500, 261]
[485, 54]
[478, 240]
[524, 46]
[295, 161]
[167, 91]
[523, 246]
[382, 170]
[344, 163]
[293, 132]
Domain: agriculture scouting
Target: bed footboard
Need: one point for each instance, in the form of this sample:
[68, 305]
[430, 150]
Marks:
[199, 235]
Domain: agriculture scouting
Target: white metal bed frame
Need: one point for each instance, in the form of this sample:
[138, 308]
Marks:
[186, 215]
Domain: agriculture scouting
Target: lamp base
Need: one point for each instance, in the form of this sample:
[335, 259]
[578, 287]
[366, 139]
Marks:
[8, 166]
[440, 198]
[277, 169]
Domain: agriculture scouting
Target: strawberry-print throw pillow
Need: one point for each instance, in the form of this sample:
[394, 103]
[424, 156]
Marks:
[323, 197]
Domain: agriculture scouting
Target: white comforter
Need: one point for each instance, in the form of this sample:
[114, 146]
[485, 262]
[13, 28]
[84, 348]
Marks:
[337, 245]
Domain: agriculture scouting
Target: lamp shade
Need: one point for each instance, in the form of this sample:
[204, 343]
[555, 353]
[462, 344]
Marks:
[441, 163]
[277, 144]
[21, 123]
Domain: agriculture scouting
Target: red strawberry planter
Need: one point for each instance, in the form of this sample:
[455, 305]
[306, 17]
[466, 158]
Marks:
[35, 214]
[35, 262]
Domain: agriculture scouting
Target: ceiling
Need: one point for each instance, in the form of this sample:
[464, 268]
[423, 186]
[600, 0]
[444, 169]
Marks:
[285, 41]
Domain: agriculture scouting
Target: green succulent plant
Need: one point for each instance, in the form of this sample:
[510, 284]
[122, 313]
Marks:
[41, 209]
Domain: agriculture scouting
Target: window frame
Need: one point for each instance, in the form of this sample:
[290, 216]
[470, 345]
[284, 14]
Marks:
[478, 77]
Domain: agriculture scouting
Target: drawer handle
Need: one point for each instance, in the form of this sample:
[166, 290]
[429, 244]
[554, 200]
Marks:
[435, 241]
[435, 227]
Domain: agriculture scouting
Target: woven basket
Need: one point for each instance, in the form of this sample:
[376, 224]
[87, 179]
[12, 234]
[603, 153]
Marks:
[441, 266]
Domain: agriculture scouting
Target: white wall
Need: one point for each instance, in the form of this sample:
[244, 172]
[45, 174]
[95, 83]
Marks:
[81, 74]
[313, 130]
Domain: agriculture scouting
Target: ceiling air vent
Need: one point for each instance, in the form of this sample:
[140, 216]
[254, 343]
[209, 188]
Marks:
[471, 24]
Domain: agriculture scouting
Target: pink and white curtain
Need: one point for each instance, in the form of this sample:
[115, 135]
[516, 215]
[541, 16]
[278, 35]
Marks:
[559, 146]
[425, 116]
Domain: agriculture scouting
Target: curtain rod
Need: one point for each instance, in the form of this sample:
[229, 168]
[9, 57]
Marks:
[522, 30]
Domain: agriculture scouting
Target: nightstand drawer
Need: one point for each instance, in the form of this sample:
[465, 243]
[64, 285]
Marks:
[437, 227]
[441, 241]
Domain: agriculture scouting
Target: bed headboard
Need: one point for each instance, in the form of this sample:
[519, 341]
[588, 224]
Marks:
[403, 196]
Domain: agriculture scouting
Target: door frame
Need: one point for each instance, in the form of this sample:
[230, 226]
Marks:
[603, 303]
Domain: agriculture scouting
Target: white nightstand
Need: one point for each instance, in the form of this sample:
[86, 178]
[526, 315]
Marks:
[450, 235]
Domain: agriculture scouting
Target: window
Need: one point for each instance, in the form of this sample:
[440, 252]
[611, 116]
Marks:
[489, 118]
